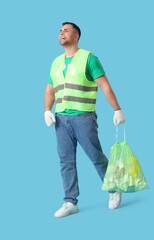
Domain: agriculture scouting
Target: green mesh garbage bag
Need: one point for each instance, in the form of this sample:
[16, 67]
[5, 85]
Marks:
[124, 173]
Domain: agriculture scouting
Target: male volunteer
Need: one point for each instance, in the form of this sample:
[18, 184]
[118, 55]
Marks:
[73, 83]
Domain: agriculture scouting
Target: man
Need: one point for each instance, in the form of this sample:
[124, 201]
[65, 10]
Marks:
[73, 82]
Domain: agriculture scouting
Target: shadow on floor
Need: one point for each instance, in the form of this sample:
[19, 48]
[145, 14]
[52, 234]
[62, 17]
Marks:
[130, 202]
[124, 203]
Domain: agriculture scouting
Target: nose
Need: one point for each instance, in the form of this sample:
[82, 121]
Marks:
[61, 33]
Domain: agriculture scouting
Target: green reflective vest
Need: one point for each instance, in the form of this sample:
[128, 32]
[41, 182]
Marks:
[74, 91]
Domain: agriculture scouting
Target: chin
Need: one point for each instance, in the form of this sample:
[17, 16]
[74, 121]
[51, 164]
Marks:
[62, 44]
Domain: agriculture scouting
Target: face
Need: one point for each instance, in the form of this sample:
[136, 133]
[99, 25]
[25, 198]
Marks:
[68, 35]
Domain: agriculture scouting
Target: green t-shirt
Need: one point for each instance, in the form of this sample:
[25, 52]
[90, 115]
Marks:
[94, 69]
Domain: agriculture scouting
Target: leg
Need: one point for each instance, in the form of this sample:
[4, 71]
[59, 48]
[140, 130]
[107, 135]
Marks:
[66, 147]
[85, 127]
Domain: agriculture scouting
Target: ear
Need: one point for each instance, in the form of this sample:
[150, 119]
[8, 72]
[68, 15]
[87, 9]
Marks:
[77, 35]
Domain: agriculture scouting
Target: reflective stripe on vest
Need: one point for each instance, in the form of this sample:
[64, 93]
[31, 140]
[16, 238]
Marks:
[75, 86]
[76, 99]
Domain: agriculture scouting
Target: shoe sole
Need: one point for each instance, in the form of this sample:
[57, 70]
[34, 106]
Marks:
[67, 214]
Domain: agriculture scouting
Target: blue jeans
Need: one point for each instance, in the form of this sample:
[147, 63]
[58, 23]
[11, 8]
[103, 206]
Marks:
[80, 128]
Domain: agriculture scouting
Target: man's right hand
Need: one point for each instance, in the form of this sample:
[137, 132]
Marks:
[49, 118]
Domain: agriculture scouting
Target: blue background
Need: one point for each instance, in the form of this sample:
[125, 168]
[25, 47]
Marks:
[120, 33]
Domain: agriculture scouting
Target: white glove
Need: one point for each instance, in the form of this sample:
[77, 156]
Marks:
[118, 117]
[49, 118]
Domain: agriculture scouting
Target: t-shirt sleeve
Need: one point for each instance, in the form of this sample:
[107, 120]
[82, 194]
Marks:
[49, 78]
[95, 68]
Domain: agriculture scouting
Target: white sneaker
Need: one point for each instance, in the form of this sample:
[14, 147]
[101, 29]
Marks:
[115, 200]
[67, 209]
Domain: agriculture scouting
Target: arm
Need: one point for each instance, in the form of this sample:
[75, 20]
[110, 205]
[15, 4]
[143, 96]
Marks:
[49, 97]
[104, 84]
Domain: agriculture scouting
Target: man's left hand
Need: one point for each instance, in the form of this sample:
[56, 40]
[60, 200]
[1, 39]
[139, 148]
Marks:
[118, 117]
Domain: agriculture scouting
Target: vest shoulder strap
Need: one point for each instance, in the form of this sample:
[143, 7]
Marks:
[61, 57]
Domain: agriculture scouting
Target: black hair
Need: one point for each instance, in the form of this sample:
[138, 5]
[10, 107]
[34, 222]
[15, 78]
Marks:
[75, 26]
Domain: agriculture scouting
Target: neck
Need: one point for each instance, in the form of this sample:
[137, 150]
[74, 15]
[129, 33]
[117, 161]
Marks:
[71, 50]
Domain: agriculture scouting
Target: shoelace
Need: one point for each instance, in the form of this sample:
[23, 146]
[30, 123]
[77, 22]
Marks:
[111, 196]
[65, 205]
